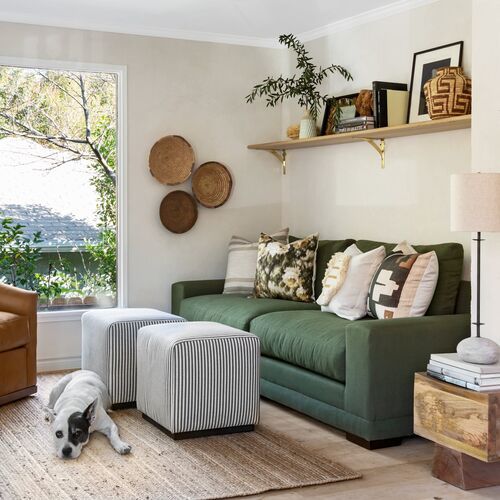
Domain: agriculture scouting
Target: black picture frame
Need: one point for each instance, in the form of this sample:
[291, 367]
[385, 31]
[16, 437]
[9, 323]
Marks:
[327, 125]
[446, 55]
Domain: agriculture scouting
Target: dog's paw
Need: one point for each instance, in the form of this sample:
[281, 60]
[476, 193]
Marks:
[123, 448]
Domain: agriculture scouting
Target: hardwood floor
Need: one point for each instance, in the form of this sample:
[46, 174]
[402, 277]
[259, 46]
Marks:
[402, 472]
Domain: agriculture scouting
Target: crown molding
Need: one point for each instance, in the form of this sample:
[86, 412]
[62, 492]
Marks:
[133, 29]
[363, 18]
[206, 36]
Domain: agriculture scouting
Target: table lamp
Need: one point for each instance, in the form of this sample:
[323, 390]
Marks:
[475, 207]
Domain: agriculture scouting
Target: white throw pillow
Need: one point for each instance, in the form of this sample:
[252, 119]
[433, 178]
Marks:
[350, 301]
[404, 247]
[242, 263]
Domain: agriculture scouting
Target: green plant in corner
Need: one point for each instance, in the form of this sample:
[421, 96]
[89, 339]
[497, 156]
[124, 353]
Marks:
[303, 87]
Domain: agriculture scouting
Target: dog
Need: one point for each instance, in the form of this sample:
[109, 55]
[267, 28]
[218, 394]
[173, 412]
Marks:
[76, 408]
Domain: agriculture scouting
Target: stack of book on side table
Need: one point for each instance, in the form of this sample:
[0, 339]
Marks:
[355, 124]
[449, 368]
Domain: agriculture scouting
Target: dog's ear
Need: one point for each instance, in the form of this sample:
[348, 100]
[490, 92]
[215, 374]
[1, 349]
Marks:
[89, 412]
[50, 414]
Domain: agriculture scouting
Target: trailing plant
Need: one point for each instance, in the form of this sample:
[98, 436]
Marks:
[303, 87]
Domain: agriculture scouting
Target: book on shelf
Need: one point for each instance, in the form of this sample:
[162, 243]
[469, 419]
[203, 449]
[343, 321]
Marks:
[377, 86]
[353, 128]
[357, 120]
[393, 107]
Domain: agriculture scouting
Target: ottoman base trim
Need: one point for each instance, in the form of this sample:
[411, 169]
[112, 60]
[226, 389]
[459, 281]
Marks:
[203, 433]
[124, 406]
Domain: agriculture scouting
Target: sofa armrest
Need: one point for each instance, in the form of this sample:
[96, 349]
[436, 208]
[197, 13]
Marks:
[382, 357]
[185, 289]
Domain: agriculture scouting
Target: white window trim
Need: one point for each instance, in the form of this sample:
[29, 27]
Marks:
[121, 105]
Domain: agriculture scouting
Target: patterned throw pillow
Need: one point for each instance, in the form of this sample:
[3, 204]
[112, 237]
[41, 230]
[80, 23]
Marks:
[403, 286]
[286, 271]
[242, 263]
[335, 274]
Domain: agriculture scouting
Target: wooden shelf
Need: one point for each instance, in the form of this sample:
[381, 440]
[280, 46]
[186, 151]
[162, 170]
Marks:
[429, 127]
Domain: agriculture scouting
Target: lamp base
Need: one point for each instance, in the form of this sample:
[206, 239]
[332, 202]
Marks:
[478, 350]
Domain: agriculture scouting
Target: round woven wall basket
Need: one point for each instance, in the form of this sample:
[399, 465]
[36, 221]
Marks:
[212, 184]
[171, 160]
[178, 211]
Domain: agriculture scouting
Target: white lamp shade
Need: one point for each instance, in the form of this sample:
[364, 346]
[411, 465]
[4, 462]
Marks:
[475, 202]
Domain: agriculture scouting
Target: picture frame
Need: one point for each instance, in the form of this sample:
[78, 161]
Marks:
[425, 64]
[348, 101]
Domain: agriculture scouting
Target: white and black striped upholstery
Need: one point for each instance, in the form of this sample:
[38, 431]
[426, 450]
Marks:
[196, 376]
[109, 346]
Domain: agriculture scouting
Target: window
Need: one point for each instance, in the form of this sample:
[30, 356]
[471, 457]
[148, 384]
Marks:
[59, 159]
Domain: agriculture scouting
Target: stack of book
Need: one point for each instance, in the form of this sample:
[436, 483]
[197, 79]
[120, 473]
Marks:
[449, 368]
[355, 124]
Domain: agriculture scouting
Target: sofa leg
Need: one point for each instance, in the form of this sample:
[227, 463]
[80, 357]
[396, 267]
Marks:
[373, 445]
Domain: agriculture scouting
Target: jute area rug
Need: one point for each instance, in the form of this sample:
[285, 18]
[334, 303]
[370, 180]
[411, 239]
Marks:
[158, 467]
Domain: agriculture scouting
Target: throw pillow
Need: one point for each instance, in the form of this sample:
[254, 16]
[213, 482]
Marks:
[403, 286]
[404, 247]
[335, 274]
[286, 271]
[350, 300]
[242, 263]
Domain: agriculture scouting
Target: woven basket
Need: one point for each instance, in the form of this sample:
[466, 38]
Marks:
[449, 93]
[212, 184]
[171, 160]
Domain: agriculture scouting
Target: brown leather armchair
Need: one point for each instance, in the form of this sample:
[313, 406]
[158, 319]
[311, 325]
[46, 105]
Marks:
[17, 343]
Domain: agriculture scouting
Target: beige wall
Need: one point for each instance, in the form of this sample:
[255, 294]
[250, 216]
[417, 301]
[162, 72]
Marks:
[341, 191]
[485, 150]
[195, 90]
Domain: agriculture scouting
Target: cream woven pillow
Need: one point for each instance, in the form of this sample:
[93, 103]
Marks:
[242, 263]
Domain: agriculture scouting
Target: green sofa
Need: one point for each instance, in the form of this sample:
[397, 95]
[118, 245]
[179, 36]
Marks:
[354, 375]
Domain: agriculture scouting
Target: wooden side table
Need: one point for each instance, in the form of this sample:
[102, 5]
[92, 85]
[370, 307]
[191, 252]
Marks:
[465, 425]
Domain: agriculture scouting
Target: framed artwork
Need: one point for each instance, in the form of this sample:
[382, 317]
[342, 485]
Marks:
[347, 105]
[425, 64]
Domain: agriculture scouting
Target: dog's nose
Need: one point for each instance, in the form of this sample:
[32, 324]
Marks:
[66, 451]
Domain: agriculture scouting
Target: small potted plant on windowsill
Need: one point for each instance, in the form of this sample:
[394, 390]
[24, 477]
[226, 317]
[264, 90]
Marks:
[303, 87]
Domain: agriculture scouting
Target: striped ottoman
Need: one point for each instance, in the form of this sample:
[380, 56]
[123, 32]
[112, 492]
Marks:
[109, 343]
[198, 378]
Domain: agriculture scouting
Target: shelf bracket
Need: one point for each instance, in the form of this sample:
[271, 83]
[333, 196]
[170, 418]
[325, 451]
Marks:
[379, 148]
[281, 156]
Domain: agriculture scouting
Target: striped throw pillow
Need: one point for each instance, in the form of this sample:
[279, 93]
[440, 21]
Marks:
[242, 263]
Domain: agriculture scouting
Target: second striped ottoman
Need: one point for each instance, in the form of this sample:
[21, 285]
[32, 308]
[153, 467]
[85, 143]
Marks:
[109, 344]
[198, 378]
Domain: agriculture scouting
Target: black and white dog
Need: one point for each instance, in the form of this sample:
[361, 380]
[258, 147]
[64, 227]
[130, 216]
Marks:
[77, 407]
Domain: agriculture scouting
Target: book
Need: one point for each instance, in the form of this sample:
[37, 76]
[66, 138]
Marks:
[455, 369]
[354, 128]
[376, 87]
[357, 120]
[393, 107]
[461, 383]
[452, 360]
[470, 377]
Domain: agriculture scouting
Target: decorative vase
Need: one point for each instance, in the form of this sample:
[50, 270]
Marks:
[307, 126]
[293, 131]
[449, 93]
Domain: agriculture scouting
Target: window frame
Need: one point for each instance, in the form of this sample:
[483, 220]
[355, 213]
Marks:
[121, 153]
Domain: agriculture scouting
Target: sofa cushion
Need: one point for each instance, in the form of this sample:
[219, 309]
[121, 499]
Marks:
[450, 257]
[309, 339]
[14, 331]
[235, 310]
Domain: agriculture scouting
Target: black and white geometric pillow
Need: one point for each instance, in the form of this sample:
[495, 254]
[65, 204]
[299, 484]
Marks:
[403, 286]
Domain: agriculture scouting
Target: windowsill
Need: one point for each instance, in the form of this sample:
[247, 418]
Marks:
[55, 316]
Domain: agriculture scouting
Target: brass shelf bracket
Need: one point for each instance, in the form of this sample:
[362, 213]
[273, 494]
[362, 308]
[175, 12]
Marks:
[281, 156]
[379, 148]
